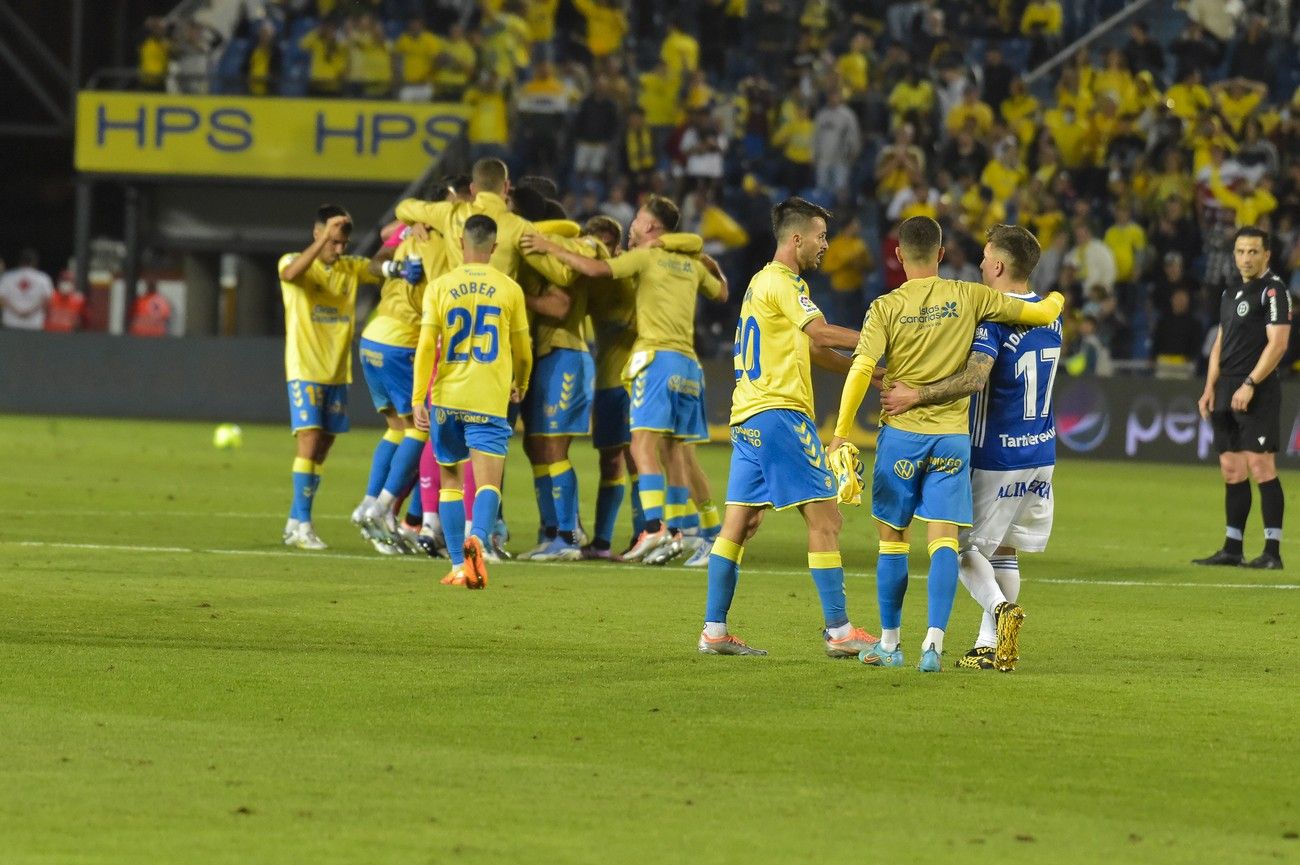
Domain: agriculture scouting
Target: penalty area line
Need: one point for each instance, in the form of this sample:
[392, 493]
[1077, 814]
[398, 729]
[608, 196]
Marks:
[616, 566]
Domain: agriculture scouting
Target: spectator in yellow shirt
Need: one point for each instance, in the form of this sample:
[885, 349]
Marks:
[1004, 173]
[1237, 99]
[155, 54]
[264, 61]
[329, 60]
[854, 67]
[540, 15]
[370, 62]
[1041, 24]
[660, 99]
[416, 50]
[1116, 80]
[680, 52]
[606, 26]
[970, 108]
[847, 262]
[1250, 202]
[1128, 244]
[488, 130]
[795, 140]
[1188, 98]
[911, 100]
[455, 65]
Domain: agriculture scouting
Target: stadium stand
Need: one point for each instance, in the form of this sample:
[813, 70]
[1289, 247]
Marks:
[1123, 134]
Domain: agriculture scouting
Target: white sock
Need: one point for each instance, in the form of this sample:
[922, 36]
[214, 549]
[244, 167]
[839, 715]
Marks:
[367, 501]
[976, 574]
[841, 632]
[889, 638]
[1006, 570]
[290, 526]
[988, 638]
[715, 630]
[933, 638]
[431, 521]
[385, 501]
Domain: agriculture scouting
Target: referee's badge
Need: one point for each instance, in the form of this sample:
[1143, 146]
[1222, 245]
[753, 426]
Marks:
[1242, 309]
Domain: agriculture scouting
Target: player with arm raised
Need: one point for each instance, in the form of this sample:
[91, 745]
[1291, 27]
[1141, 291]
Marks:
[922, 461]
[319, 290]
[476, 313]
[1010, 373]
[665, 378]
[777, 460]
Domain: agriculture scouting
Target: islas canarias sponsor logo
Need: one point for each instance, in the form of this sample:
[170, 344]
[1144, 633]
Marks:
[929, 314]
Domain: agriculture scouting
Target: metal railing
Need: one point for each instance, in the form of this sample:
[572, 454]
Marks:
[1085, 40]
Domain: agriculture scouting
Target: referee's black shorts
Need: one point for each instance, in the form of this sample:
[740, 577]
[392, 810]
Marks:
[1258, 428]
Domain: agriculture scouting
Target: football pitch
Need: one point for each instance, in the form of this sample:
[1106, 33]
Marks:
[177, 686]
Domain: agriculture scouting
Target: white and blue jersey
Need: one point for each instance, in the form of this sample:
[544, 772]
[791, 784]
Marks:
[1012, 423]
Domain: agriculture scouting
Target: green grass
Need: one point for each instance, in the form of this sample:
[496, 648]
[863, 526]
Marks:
[222, 699]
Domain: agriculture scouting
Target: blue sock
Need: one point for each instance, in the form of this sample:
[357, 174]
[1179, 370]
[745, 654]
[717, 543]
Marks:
[891, 582]
[828, 576]
[609, 498]
[304, 487]
[675, 499]
[652, 497]
[405, 465]
[941, 587]
[451, 510]
[691, 518]
[545, 496]
[380, 462]
[724, 572]
[638, 513]
[486, 501]
[564, 493]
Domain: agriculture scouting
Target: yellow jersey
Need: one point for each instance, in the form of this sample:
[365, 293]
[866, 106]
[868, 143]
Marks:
[924, 330]
[1126, 243]
[417, 53]
[319, 314]
[396, 320]
[612, 306]
[773, 368]
[552, 333]
[666, 285]
[477, 313]
[447, 218]
[329, 60]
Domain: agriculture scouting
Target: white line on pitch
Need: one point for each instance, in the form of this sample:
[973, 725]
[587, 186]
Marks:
[124, 548]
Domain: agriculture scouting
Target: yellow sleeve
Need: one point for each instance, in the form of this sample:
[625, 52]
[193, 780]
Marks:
[710, 286]
[426, 352]
[1010, 310]
[629, 263]
[1223, 193]
[559, 227]
[798, 308]
[521, 345]
[856, 384]
[683, 242]
[413, 211]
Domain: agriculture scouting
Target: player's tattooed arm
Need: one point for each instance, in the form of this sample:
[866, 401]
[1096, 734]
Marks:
[901, 397]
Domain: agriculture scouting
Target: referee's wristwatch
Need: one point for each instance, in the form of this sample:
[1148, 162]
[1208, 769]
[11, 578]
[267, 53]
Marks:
[1249, 381]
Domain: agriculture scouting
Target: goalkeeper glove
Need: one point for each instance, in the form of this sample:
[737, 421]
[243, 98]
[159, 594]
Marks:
[410, 269]
[847, 468]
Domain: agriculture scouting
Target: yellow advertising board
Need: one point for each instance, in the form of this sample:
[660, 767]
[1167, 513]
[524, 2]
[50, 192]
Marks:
[272, 139]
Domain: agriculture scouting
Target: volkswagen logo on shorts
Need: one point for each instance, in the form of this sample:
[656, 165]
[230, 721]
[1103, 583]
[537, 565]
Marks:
[441, 416]
[1082, 417]
[905, 469]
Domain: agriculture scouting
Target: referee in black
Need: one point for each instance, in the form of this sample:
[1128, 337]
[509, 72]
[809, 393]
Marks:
[1243, 398]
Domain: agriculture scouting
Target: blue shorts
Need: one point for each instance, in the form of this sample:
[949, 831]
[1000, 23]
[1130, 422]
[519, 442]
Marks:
[609, 423]
[559, 399]
[318, 406]
[389, 372]
[777, 461]
[668, 396]
[454, 432]
[926, 476]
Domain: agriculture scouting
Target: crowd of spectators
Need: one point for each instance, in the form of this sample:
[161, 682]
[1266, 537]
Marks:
[1132, 162]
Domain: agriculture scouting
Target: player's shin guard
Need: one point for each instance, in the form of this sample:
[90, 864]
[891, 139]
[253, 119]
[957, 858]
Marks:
[545, 495]
[828, 576]
[304, 487]
[675, 499]
[891, 586]
[382, 461]
[430, 480]
[406, 462]
[564, 494]
[1236, 508]
[941, 588]
[486, 500]
[638, 512]
[451, 510]
[724, 572]
[710, 520]
[609, 498]
[1271, 506]
[652, 499]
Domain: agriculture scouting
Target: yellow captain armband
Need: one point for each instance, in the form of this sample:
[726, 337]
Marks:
[559, 227]
[683, 242]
